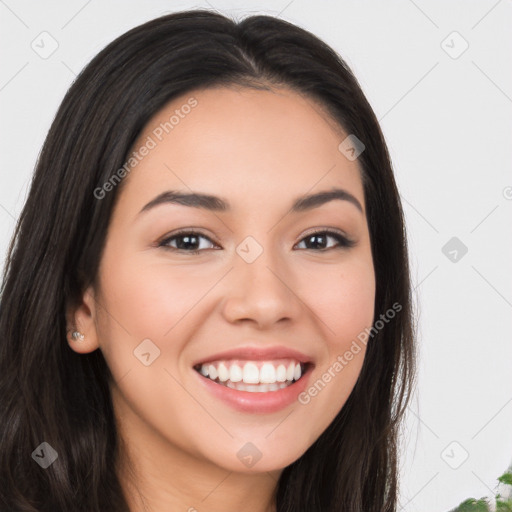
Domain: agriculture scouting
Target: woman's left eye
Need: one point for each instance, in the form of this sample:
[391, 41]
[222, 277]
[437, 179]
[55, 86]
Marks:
[189, 241]
[321, 238]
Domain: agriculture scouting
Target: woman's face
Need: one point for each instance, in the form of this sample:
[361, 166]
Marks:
[251, 295]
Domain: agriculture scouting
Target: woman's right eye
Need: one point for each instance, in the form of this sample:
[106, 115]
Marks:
[186, 241]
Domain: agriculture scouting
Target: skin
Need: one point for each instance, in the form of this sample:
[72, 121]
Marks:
[259, 150]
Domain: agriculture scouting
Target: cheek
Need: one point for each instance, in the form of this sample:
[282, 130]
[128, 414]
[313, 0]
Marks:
[145, 301]
[343, 298]
[149, 299]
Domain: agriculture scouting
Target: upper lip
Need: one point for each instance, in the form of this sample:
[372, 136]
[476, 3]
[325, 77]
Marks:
[252, 353]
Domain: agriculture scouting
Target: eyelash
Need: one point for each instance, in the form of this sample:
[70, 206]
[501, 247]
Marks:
[343, 241]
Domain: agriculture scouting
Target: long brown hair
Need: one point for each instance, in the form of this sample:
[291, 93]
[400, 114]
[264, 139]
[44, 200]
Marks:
[50, 393]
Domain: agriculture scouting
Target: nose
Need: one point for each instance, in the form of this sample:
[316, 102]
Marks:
[263, 292]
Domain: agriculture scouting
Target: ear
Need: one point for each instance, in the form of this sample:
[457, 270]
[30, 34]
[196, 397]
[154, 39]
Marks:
[82, 318]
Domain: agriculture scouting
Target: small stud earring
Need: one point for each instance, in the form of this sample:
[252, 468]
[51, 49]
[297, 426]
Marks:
[77, 336]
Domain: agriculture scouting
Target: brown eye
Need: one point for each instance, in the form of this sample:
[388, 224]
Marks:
[190, 241]
[186, 241]
[320, 238]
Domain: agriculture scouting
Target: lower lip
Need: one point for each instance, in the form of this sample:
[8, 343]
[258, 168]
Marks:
[255, 402]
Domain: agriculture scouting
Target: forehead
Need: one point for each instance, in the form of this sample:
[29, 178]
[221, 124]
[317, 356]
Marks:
[241, 140]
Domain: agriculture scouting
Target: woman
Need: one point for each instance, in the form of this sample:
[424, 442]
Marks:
[206, 304]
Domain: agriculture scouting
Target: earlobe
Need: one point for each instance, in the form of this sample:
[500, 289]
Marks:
[81, 331]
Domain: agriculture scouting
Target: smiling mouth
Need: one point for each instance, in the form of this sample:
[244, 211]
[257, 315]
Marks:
[254, 376]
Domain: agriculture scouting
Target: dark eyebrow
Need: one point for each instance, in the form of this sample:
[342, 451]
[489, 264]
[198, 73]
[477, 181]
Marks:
[217, 204]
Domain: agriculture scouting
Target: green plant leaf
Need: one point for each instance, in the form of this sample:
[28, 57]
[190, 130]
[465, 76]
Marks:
[472, 505]
[506, 478]
[503, 506]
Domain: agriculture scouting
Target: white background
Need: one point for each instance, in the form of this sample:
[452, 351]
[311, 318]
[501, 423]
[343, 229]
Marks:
[448, 125]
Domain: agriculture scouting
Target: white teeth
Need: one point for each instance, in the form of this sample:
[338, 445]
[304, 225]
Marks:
[251, 374]
[235, 373]
[223, 372]
[281, 373]
[212, 372]
[267, 374]
[290, 371]
[257, 388]
[296, 373]
[262, 388]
